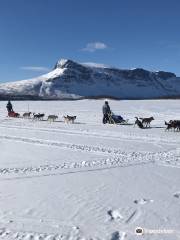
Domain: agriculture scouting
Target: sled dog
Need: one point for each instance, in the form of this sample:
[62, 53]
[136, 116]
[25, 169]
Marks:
[173, 124]
[69, 119]
[147, 121]
[38, 116]
[27, 115]
[138, 123]
[52, 118]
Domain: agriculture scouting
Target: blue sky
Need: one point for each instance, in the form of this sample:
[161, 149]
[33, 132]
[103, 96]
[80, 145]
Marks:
[34, 34]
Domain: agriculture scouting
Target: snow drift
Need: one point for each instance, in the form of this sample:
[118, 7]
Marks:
[72, 80]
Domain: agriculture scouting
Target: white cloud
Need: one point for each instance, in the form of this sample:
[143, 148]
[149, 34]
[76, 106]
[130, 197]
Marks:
[96, 65]
[35, 68]
[92, 47]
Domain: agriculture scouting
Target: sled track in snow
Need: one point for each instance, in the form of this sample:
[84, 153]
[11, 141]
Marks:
[69, 146]
[86, 148]
[140, 138]
[62, 131]
[95, 164]
[120, 160]
[11, 234]
[74, 234]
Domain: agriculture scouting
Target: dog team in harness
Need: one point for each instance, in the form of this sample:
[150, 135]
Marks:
[108, 117]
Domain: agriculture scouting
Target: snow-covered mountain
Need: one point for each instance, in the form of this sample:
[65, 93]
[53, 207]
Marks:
[72, 80]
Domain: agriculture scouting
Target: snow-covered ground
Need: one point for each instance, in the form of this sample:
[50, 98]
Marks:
[88, 180]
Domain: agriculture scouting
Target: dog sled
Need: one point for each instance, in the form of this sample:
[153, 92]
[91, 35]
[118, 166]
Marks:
[13, 114]
[117, 119]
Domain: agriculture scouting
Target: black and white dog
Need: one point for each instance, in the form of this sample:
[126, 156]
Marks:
[139, 123]
[69, 119]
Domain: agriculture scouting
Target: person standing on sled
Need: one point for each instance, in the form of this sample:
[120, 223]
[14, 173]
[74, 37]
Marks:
[106, 111]
[9, 106]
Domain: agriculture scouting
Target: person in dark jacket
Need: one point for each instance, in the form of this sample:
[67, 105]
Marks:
[106, 111]
[9, 106]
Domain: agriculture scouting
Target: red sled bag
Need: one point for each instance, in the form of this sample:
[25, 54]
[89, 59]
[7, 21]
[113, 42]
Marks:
[13, 114]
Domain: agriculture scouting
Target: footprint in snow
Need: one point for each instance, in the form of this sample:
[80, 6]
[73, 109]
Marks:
[143, 201]
[115, 215]
[115, 236]
[118, 236]
[123, 215]
[177, 195]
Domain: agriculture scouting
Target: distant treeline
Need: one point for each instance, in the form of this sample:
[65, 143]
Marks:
[39, 98]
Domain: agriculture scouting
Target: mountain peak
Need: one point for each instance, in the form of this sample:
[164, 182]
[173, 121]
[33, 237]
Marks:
[64, 63]
[73, 80]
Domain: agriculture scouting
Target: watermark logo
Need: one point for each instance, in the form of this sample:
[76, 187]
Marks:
[141, 231]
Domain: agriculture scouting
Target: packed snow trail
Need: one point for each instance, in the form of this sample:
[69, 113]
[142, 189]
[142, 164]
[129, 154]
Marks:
[69, 146]
[121, 160]
[103, 135]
